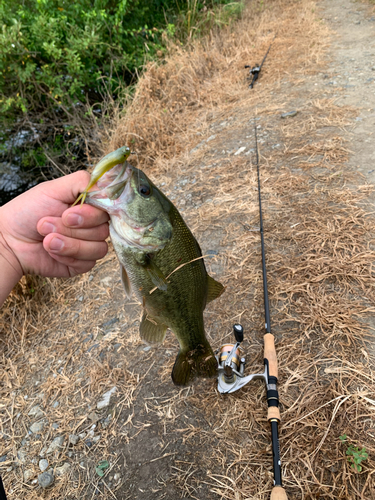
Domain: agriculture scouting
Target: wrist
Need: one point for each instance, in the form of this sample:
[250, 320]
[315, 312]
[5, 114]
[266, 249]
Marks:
[10, 270]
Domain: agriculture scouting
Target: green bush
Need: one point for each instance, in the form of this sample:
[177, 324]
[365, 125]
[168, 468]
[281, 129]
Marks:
[56, 52]
[63, 61]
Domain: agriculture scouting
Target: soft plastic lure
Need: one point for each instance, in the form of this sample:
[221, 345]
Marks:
[105, 164]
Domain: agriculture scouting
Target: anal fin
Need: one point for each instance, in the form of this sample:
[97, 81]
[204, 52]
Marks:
[151, 331]
[215, 289]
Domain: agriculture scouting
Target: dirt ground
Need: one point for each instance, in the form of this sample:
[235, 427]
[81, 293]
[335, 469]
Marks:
[66, 343]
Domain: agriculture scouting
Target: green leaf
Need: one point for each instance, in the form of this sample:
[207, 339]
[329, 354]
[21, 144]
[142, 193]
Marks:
[101, 467]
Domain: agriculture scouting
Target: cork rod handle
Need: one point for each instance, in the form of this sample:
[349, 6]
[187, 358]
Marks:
[278, 493]
[270, 354]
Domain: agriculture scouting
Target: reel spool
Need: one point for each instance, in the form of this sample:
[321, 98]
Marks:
[236, 365]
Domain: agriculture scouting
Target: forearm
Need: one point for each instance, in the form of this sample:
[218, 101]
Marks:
[10, 270]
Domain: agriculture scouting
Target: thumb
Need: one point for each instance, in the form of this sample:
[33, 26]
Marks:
[66, 189]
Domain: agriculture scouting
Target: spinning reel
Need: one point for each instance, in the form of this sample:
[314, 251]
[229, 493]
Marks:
[232, 365]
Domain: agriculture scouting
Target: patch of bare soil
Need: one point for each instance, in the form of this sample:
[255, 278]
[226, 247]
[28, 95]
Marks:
[68, 343]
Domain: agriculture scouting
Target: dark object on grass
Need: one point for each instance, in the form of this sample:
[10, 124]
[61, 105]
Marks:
[255, 70]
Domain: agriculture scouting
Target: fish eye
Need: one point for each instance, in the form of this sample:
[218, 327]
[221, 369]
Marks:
[144, 190]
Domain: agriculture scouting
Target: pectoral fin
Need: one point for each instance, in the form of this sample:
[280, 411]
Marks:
[215, 289]
[157, 277]
[151, 331]
[126, 282]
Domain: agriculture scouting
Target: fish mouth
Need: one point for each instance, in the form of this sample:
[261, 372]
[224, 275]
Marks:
[111, 182]
[112, 195]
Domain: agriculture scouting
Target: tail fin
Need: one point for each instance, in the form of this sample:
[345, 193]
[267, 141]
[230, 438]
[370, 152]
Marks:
[198, 362]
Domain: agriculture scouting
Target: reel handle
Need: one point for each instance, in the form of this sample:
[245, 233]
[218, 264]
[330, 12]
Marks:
[238, 332]
[278, 493]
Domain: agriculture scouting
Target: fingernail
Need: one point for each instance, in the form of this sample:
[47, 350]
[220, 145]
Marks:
[74, 220]
[47, 228]
[56, 244]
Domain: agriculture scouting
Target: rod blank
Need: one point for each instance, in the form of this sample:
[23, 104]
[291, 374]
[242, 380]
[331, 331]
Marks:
[270, 359]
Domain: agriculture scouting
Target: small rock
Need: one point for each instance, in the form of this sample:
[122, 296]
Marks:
[240, 150]
[55, 404]
[96, 438]
[73, 439]
[3, 458]
[46, 479]
[37, 427]
[290, 114]
[116, 347]
[147, 348]
[106, 399]
[43, 464]
[60, 471]
[88, 443]
[117, 476]
[82, 435]
[106, 421]
[55, 426]
[36, 412]
[80, 298]
[27, 474]
[56, 444]
[22, 455]
[9, 469]
[94, 417]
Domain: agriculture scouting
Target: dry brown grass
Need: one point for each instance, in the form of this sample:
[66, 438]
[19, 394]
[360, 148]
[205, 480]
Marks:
[176, 99]
[320, 253]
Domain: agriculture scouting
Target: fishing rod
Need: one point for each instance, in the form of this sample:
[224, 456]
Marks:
[255, 70]
[232, 363]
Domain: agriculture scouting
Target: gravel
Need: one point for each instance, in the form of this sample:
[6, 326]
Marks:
[46, 479]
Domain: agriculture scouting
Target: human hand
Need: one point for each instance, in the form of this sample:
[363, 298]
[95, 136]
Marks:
[40, 233]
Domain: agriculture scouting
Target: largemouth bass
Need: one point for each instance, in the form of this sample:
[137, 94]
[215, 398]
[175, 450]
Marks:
[162, 263]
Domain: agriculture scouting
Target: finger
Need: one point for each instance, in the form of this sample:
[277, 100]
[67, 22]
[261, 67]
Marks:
[57, 244]
[84, 216]
[66, 188]
[49, 225]
[73, 266]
